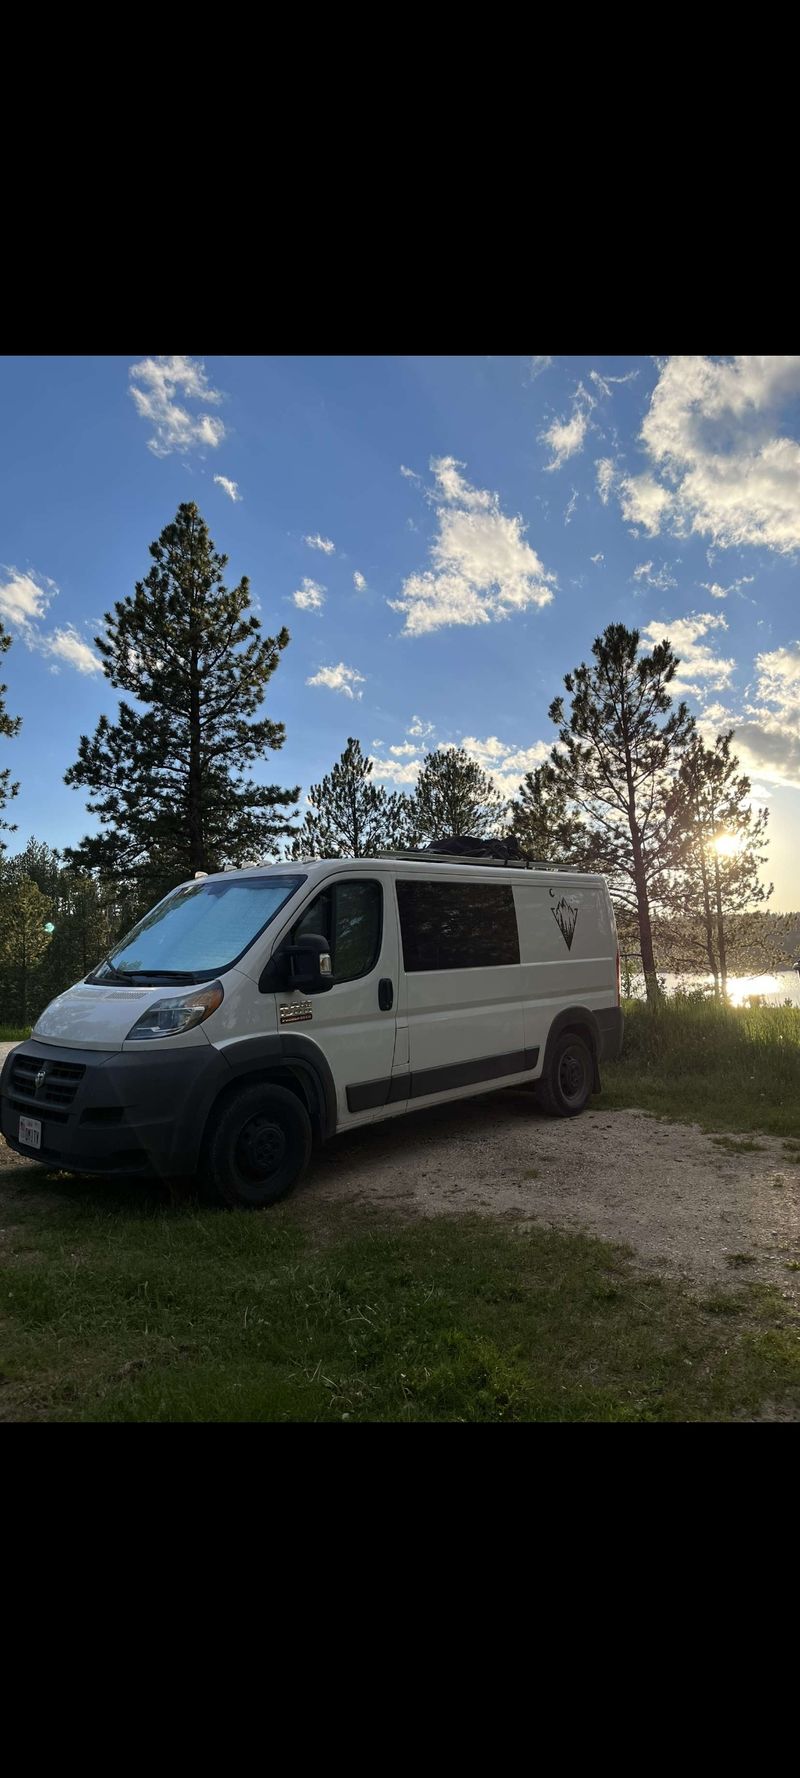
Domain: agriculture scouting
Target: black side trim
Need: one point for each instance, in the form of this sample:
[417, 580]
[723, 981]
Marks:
[303, 1055]
[371, 1094]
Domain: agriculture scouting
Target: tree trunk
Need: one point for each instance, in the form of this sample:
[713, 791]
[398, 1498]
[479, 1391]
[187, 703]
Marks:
[645, 928]
[723, 960]
[707, 915]
[197, 853]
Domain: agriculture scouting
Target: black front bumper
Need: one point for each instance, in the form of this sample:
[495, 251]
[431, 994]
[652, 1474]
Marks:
[112, 1112]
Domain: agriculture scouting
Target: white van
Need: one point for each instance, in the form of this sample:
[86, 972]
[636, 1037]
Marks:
[256, 1010]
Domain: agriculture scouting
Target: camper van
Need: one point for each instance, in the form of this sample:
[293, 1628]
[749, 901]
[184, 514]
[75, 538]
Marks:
[255, 1011]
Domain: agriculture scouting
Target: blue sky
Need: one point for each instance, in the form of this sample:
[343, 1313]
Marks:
[482, 519]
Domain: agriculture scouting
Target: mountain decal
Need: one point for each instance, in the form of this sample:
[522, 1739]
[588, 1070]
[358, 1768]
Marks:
[566, 913]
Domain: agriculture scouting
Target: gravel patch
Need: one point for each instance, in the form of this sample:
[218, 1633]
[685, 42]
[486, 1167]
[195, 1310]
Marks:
[688, 1208]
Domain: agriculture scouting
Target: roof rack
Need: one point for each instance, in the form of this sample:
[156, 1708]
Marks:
[416, 856]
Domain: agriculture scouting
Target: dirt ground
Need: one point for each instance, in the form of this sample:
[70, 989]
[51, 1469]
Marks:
[687, 1207]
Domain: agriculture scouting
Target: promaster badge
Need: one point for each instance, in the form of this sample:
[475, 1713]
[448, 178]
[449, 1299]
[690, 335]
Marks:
[292, 1011]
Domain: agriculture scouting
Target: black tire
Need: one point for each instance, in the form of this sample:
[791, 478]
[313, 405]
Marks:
[565, 1088]
[257, 1148]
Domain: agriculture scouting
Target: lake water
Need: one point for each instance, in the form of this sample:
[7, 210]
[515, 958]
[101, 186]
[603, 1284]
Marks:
[774, 990]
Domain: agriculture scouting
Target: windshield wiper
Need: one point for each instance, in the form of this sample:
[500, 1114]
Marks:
[161, 975]
[118, 975]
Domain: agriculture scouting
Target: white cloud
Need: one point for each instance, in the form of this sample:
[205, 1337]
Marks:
[537, 365]
[394, 772]
[700, 670]
[566, 437]
[67, 645]
[410, 474]
[310, 596]
[604, 383]
[231, 488]
[661, 579]
[505, 763]
[606, 476]
[483, 568]
[25, 600]
[503, 760]
[721, 592]
[643, 502]
[341, 678]
[571, 505]
[724, 463]
[451, 486]
[323, 543]
[598, 558]
[422, 730]
[767, 729]
[359, 582]
[155, 385]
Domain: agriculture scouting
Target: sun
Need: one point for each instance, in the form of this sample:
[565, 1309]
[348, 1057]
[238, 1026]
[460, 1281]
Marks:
[727, 845]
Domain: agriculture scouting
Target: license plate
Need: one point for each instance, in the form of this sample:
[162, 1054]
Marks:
[30, 1132]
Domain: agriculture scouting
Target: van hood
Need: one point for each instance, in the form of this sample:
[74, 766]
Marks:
[96, 1018]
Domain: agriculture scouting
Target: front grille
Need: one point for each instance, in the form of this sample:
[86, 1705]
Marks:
[26, 1106]
[58, 1088]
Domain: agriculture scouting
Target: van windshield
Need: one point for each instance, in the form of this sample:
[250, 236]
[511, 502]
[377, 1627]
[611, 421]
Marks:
[202, 929]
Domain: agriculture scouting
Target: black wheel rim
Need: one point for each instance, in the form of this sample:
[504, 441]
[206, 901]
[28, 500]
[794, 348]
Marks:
[259, 1153]
[572, 1075]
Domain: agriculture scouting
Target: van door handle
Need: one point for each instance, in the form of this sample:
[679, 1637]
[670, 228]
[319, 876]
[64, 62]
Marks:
[385, 994]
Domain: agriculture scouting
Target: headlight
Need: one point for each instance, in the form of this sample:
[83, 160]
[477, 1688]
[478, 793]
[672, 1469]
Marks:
[168, 1017]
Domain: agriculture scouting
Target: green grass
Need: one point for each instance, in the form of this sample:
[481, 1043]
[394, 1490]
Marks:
[116, 1308]
[14, 1033]
[723, 1068]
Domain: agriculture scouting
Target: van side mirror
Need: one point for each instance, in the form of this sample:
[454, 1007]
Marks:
[306, 966]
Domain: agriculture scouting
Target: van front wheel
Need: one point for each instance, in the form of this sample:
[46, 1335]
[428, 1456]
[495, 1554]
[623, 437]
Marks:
[565, 1088]
[258, 1147]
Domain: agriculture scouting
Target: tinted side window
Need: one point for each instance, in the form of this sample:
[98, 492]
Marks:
[350, 916]
[457, 925]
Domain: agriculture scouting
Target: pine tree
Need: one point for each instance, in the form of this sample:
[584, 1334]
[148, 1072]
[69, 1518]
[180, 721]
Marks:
[24, 915]
[9, 726]
[721, 846]
[349, 816]
[454, 798]
[544, 821]
[171, 782]
[618, 747]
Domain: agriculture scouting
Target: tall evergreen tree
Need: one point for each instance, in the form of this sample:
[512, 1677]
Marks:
[171, 781]
[9, 726]
[348, 815]
[454, 797]
[24, 917]
[618, 747]
[720, 851]
[544, 820]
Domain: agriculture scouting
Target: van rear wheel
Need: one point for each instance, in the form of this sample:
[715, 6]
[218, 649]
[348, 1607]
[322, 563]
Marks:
[565, 1089]
[258, 1147]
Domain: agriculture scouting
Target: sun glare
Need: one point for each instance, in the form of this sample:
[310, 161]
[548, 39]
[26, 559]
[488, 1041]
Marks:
[727, 844]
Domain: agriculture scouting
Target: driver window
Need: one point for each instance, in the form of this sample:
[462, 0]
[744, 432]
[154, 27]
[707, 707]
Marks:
[350, 916]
